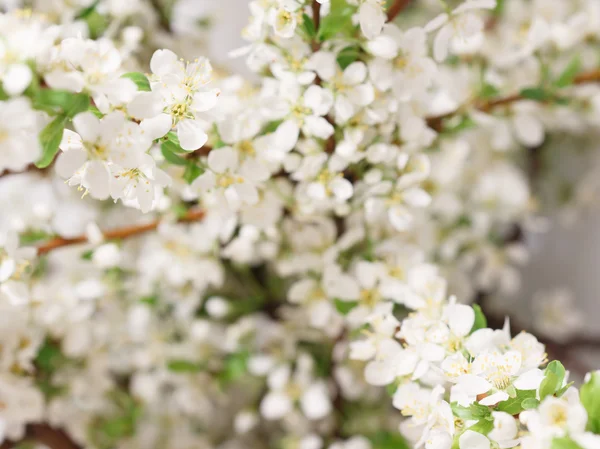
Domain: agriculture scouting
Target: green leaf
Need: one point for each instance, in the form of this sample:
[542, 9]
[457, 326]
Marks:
[480, 319]
[33, 236]
[474, 412]
[150, 300]
[344, 307]
[338, 21]
[87, 255]
[94, 110]
[553, 380]
[568, 75]
[192, 171]
[50, 138]
[564, 443]
[308, 25]
[537, 94]
[483, 426]
[140, 80]
[590, 399]
[488, 91]
[388, 440]
[514, 406]
[347, 56]
[49, 357]
[236, 365]
[168, 152]
[530, 403]
[564, 389]
[97, 23]
[61, 102]
[184, 366]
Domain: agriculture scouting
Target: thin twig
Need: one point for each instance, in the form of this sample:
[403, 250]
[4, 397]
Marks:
[316, 12]
[396, 9]
[436, 122]
[119, 233]
[163, 18]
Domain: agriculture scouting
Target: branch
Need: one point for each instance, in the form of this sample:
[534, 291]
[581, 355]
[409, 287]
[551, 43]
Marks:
[435, 122]
[163, 19]
[46, 435]
[316, 12]
[119, 233]
[396, 9]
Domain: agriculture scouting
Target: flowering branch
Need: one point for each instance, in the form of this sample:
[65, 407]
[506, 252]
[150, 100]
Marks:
[120, 233]
[435, 122]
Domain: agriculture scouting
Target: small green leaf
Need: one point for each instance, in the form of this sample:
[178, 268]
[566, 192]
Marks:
[553, 380]
[344, 307]
[564, 443]
[514, 406]
[536, 93]
[167, 151]
[150, 300]
[50, 138]
[488, 91]
[33, 236]
[87, 255]
[388, 440]
[483, 426]
[236, 365]
[474, 412]
[480, 319]
[184, 366]
[192, 171]
[590, 399]
[308, 25]
[97, 23]
[569, 74]
[140, 80]
[347, 56]
[338, 21]
[564, 389]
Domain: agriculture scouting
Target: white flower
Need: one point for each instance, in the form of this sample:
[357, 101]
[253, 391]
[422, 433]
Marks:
[372, 17]
[19, 128]
[89, 153]
[473, 440]
[185, 99]
[351, 89]
[461, 24]
[226, 176]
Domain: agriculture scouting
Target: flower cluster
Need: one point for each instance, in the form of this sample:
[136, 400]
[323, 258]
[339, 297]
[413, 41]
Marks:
[289, 262]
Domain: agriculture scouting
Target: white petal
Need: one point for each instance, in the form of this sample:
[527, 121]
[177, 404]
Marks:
[362, 95]
[87, 126]
[96, 178]
[460, 319]
[16, 79]
[191, 135]
[442, 43]
[493, 399]
[163, 62]
[372, 18]
[286, 135]
[355, 73]
[315, 402]
[436, 23]
[529, 380]
[157, 127]
[473, 440]
[529, 130]
[145, 105]
[342, 188]
[69, 162]
[474, 385]
[203, 101]
[275, 405]
[223, 159]
[380, 373]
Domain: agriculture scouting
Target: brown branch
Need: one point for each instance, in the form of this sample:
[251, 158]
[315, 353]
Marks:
[316, 12]
[436, 122]
[119, 233]
[46, 435]
[163, 16]
[396, 9]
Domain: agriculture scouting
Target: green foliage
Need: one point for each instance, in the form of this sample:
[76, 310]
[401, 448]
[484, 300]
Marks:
[308, 25]
[553, 379]
[33, 236]
[168, 150]
[388, 440]
[480, 319]
[192, 171]
[474, 412]
[140, 80]
[344, 307]
[537, 94]
[61, 102]
[564, 443]
[348, 55]
[50, 138]
[483, 426]
[97, 23]
[235, 366]
[590, 398]
[518, 403]
[568, 75]
[106, 432]
[48, 360]
[185, 366]
[338, 21]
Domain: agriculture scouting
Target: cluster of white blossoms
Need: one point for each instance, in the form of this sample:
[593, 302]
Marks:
[289, 262]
